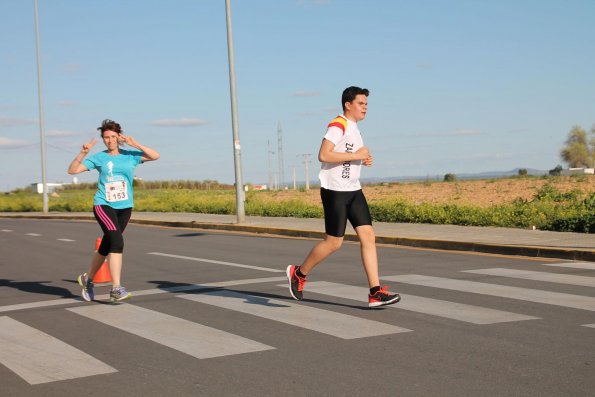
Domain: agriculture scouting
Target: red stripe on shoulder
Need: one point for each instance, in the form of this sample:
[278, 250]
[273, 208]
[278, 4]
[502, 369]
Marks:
[339, 122]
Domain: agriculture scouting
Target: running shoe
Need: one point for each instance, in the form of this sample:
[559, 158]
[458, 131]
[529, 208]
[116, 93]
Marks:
[87, 284]
[296, 283]
[119, 294]
[382, 298]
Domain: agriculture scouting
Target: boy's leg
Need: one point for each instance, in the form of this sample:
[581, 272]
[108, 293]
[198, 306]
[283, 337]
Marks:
[320, 252]
[367, 240]
[378, 296]
[359, 216]
[296, 275]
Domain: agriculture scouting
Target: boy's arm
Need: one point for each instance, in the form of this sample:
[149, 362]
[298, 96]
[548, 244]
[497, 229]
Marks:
[326, 154]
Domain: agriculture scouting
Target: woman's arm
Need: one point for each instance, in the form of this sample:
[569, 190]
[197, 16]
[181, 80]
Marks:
[76, 166]
[148, 153]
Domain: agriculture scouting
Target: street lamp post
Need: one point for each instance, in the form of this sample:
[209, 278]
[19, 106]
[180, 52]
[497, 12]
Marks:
[41, 121]
[234, 119]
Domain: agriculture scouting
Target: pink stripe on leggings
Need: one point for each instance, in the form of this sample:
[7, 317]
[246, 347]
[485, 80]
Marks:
[106, 220]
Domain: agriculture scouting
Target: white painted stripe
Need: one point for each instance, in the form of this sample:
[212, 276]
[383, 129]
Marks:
[40, 358]
[537, 276]
[32, 234]
[185, 336]
[502, 291]
[418, 304]
[66, 240]
[7, 230]
[324, 321]
[36, 305]
[589, 325]
[190, 258]
[574, 265]
[153, 291]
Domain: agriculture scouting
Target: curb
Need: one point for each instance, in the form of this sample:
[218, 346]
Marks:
[446, 245]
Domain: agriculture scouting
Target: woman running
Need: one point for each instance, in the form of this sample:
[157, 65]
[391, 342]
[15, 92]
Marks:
[113, 202]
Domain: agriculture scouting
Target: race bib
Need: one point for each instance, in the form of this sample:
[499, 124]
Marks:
[116, 191]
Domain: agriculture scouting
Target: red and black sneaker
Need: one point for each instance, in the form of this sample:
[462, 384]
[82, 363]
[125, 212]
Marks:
[382, 298]
[296, 283]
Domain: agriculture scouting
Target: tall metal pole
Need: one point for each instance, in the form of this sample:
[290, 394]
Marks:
[280, 156]
[41, 120]
[269, 152]
[241, 216]
[306, 160]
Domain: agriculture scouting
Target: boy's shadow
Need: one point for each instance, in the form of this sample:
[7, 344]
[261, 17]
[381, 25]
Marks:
[258, 298]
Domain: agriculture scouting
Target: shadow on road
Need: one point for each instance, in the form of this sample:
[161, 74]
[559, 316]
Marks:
[257, 298]
[37, 287]
[189, 235]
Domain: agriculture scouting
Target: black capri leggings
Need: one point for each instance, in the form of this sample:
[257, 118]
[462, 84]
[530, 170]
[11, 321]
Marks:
[112, 222]
[341, 206]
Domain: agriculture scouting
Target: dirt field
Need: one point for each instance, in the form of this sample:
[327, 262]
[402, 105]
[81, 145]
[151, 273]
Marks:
[480, 193]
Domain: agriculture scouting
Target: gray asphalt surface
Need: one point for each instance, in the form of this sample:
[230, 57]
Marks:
[548, 352]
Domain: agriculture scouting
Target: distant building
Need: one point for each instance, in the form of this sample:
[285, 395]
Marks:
[578, 171]
[38, 187]
[255, 187]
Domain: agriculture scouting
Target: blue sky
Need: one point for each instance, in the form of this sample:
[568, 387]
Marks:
[455, 86]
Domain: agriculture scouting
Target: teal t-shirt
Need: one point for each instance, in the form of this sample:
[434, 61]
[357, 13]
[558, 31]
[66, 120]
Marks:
[116, 173]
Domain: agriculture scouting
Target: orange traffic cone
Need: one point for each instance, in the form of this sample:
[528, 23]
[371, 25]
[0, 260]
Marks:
[103, 276]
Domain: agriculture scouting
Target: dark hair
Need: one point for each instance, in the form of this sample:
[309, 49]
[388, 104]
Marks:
[109, 125]
[350, 93]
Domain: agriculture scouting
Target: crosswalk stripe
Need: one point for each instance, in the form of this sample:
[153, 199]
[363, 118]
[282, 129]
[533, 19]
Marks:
[190, 258]
[194, 339]
[40, 358]
[434, 307]
[67, 240]
[331, 323]
[589, 325]
[152, 291]
[537, 276]
[33, 234]
[574, 265]
[502, 291]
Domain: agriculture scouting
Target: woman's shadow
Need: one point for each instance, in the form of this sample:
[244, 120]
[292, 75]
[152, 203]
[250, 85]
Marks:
[37, 287]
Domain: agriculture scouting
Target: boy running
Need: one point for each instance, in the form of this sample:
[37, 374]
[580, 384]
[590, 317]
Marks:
[342, 153]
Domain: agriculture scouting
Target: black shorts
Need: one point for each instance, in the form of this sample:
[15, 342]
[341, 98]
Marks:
[112, 222]
[341, 206]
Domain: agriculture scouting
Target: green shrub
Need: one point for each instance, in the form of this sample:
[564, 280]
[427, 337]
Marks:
[549, 209]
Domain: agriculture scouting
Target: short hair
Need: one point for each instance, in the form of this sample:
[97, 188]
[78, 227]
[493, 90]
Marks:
[350, 93]
[109, 125]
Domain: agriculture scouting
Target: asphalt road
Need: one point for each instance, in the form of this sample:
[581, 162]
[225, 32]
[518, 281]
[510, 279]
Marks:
[211, 316]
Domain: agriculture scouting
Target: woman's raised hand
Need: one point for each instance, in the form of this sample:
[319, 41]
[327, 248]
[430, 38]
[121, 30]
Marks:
[87, 146]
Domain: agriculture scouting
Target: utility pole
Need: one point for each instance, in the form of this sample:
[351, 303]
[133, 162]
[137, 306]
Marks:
[293, 167]
[41, 119]
[270, 172]
[306, 161]
[280, 156]
[241, 214]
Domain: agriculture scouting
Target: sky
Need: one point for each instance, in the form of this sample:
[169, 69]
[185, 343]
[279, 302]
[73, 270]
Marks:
[456, 86]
